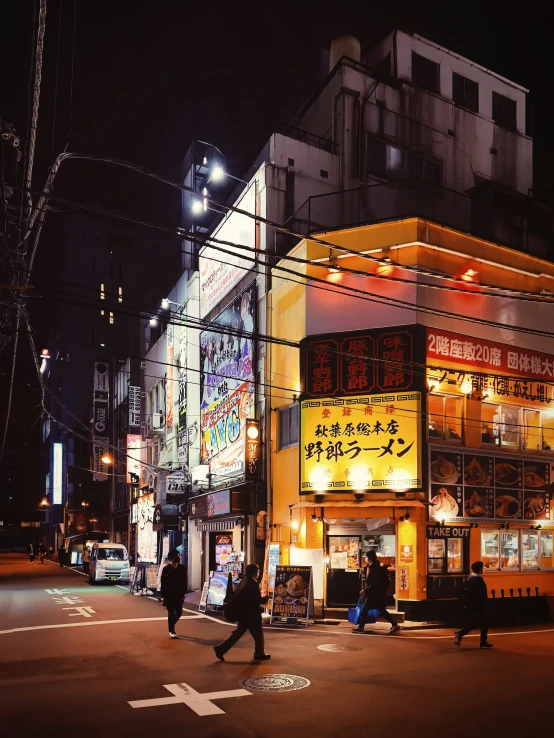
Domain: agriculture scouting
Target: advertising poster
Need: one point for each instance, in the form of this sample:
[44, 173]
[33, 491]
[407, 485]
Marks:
[227, 387]
[360, 443]
[169, 379]
[181, 332]
[100, 425]
[134, 406]
[218, 588]
[469, 485]
[134, 446]
[291, 596]
[147, 540]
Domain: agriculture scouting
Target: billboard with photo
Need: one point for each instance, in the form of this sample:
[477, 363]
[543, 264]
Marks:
[147, 539]
[227, 386]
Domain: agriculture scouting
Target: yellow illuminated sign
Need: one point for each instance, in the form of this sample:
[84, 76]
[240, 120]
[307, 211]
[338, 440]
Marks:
[367, 442]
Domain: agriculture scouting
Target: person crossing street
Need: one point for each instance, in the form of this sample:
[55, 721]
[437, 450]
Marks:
[173, 589]
[475, 606]
[375, 591]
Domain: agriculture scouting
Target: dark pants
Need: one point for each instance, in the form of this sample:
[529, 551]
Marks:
[32, 558]
[382, 613]
[473, 620]
[254, 625]
[86, 567]
[174, 612]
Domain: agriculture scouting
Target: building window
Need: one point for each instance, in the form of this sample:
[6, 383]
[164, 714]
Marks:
[445, 417]
[394, 162]
[288, 426]
[546, 550]
[504, 111]
[531, 430]
[102, 312]
[111, 318]
[520, 550]
[465, 92]
[500, 425]
[102, 293]
[509, 551]
[425, 73]
[529, 551]
[445, 556]
[120, 295]
[489, 550]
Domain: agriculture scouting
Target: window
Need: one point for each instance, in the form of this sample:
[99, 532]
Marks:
[504, 111]
[324, 173]
[425, 73]
[445, 556]
[445, 417]
[288, 426]
[531, 430]
[489, 550]
[546, 550]
[102, 293]
[102, 312]
[120, 295]
[500, 425]
[465, 92]
[547, 431]
[111, 318]
[529, 551]
[509, 551]
[387, 160]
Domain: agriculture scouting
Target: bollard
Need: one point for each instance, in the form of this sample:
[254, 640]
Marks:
[536, 591]
[511, 592]
[502, 592]
[519, 591]
[493, 593]
[528, 591]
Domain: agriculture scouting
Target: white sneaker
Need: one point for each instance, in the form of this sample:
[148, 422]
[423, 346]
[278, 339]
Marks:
[173, 635]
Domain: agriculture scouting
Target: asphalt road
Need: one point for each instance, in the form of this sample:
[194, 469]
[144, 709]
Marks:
[74, 672]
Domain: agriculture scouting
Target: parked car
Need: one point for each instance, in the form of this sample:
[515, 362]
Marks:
[109, 562]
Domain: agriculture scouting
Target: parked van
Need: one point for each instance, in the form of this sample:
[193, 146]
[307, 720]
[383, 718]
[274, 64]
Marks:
[109, 562]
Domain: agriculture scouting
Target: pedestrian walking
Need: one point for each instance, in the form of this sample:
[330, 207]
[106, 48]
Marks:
[376, 585]
[31, 553]
[174, 587]
[41, 552]
[61, 555]
[86, 560]
[247, 602]
[50, 553]
[475, 606]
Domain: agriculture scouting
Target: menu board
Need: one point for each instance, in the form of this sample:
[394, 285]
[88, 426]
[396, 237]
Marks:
[217, 589]
[468, 485]
[291, 596]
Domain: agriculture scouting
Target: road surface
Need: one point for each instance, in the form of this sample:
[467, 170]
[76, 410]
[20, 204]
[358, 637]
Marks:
[82, 660]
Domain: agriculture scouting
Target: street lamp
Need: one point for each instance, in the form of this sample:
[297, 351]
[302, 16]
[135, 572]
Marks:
[84, 504]
[218, 174]
[106, 459]
[153, 321]
[166, 303]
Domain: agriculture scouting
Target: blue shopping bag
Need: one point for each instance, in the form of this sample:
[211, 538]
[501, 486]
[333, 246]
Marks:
[354, 612]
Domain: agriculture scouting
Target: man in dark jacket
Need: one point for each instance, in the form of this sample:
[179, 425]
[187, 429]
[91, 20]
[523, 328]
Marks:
[248, 602]
[475, 606]
[375, 592]
[174, 587]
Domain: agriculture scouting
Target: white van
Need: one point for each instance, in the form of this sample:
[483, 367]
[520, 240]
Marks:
[109, 562]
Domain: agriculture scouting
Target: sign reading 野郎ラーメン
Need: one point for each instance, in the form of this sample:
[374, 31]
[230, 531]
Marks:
[369, 442]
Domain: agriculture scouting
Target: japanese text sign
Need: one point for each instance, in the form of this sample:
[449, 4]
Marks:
[360, 443]
[360, 362]
[486, 355]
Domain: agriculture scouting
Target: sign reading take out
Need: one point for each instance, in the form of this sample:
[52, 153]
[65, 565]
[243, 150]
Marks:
[367, 442]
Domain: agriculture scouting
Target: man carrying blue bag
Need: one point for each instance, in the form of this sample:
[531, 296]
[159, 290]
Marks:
[375, 592]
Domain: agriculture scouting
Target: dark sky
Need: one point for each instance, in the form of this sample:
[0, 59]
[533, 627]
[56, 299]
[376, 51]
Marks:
[151, 76]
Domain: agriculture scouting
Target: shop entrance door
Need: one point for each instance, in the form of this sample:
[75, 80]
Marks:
[343, 579]
[383, 542]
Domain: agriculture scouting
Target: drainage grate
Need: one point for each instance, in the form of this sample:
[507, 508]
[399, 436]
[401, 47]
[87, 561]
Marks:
[275, 683]
[334, 647]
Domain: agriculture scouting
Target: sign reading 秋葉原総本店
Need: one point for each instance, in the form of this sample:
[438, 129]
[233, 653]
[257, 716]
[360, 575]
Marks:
[360, 443]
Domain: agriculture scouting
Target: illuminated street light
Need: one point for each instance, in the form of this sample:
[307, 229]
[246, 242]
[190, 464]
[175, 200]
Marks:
[106, 459]
[197, 207]
[166, 303]
[45, 354]
[218, 173]
[44, 502]
[84, 504]
[153, 321]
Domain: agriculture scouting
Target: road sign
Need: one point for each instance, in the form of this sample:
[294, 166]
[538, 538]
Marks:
[200, 703]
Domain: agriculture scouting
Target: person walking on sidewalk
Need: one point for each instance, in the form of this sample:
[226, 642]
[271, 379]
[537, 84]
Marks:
[375, 591]
[31, 553]
[174, 587]
[61, 555]
[86, 560]
[475, 606]
[41, 552]
[248, 601]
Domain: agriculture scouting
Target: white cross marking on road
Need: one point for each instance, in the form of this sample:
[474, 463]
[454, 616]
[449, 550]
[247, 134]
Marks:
[57, 591]
[80, 611]
[200, 703]
[67, 600]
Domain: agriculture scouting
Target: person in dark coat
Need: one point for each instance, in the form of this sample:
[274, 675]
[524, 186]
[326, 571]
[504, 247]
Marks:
[248, 600]
[31, 553]
[375, 592]
[61, 555]
[41, 552]
[475, 606]
[174, 588]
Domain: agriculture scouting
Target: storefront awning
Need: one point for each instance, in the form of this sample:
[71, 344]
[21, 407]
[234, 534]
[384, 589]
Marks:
[221, 524]
[362, 503]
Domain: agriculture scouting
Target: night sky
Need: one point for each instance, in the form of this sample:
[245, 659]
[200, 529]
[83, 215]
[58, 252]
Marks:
[149, 77]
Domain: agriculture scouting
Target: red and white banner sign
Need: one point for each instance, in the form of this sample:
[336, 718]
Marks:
[486, 355]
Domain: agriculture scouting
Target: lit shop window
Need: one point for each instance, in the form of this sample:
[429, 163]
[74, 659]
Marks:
[500, 425]
[547, 431]
[102, 293]
[111, 318]
[120, 295]
[489, 550]
[445, 556]
[445, 417]
[529, 550]
[102, 312]
[546, 551]
[531, 430]
[509, 550]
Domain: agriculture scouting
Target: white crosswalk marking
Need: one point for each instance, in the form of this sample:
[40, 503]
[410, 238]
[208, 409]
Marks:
[200, 703]
[67, 600]
[80, 611]
[57, 591]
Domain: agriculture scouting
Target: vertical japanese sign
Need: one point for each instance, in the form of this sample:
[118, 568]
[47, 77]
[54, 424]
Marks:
[362, 362]
[182, 403]
[134, 444]
[227, 386]
[169, 380]
[361, 443]
[100, 424]
[57, 473]
[134, 407]
[252, 440]
[147, 540]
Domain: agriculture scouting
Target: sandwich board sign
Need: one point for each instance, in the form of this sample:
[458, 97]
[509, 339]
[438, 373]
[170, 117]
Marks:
[292, 595]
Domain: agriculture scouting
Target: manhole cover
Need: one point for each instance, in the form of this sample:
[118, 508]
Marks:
[275, 683]
[337, 647]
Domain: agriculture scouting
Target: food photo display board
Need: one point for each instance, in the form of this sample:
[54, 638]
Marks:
[469, 485]
[292, 594]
